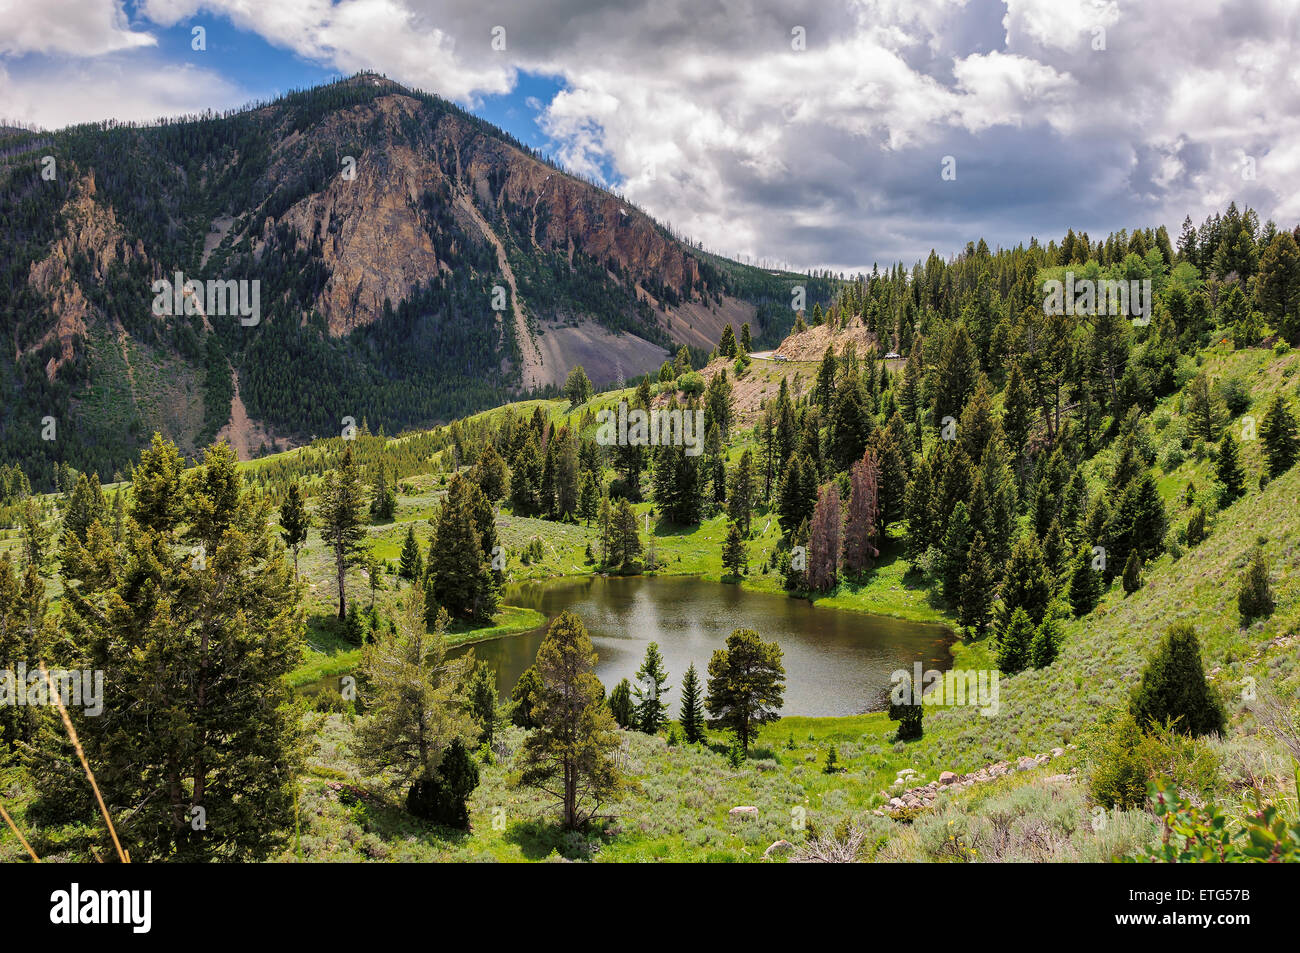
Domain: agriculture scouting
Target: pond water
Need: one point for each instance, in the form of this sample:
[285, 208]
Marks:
[836, 662]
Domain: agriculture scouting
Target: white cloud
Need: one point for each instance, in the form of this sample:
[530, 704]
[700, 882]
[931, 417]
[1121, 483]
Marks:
[73, 27]
[830, 155]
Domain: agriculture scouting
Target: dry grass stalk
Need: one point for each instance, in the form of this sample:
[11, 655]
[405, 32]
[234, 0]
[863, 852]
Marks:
[122, 855]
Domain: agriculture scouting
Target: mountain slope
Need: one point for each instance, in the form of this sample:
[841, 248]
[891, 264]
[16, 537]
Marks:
[413, 264]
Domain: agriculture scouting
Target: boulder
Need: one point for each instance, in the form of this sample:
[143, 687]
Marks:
[745, 811]
[776, 848]
[947, 777]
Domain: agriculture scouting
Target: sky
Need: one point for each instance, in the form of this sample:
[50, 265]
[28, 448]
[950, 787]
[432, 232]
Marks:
[826, 133]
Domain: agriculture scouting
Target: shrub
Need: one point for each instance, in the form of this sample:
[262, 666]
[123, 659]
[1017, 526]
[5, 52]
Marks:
[1255, 599]
[1205, 835]
[1119, 777]
[1173, 686]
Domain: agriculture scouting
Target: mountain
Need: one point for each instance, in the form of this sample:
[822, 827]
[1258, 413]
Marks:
[407, 263]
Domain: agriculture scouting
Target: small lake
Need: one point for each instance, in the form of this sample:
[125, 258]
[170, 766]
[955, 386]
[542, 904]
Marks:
[836, 662]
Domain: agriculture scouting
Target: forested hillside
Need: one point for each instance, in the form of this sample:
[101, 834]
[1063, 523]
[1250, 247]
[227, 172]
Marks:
[414, 264]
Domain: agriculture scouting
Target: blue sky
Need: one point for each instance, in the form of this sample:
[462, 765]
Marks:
[802, 133]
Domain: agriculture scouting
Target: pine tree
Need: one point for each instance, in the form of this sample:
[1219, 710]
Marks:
[625, 536]
[589, 497]
[1046, 643]
[1014, 643]
[1278, 431]
[1083, 581]
[193, 620]
[956, 542]
[85, 505]
[1133, 572]
[746, 342]
[692, 705]
[294, 522]
[416, 708]
[734, 559]
[342, 530]
[410, 565]
[746, 685]
[1028, 584]
[793, 503]
[1278, 285]
[571, 755]
[907, 710]
[481, 696]
[1201, 410]
[1173, 687]
[727, 344]
[978, 589]
[525, 697]
[620, 704]
[460, 577]
[744, 490]
[578, 387]
[1228, 469]
[1255, 598]
[651, 711]
[383, 501]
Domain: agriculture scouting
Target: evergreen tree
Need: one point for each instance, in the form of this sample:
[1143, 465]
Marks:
[743, 494]
[460, 576]
[491, 474]
[1015, 642]
[651, 711]
[1083, 581]
[978, 589]
[193, 620]
[620, 704]
[383, 501]
[625, 537]
[953, 553]
[416, 707]
[85, 505]
[481, 695]
[294, 522]
[410, 564]
[746, 685]
[578, 387]
[1173, 687]
[1046, 643]
[1278, 431]
[909, 711]
[1255, 598]
[692, 716]
[341, 527]
[1228, 469]
[734, 558]
[746, 342]
[572, 754]
[1278, 285]
[1133, 572]
[525, 697]
[727, 344]
[794, 504]
[1028, 584]
[589, 499]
